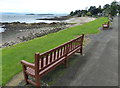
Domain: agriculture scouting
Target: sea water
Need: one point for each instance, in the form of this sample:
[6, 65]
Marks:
[27, 18]
[1, 29]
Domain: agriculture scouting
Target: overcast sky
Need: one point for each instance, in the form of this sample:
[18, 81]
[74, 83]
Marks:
[48, 6]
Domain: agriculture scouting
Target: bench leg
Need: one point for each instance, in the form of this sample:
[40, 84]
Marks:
[103, 28]
[66, 63]
[81, 51]
[25, 75]
[37, 78]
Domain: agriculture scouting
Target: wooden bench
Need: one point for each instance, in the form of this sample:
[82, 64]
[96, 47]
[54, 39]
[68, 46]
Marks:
[106, 25]
[47, 61]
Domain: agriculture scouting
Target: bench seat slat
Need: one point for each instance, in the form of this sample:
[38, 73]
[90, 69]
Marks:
[30, 71]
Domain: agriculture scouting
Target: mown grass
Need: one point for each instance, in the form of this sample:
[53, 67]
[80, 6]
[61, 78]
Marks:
[11, 56]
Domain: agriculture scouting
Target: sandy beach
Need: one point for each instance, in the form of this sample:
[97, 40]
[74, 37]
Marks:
[80, 20]
[12, 36]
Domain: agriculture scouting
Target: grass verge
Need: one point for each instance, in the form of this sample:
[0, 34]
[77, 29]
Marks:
[11, 56]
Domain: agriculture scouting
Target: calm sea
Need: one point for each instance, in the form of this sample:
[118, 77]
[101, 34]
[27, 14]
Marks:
[27, 18]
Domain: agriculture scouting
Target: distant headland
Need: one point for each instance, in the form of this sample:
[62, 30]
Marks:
[38, 14]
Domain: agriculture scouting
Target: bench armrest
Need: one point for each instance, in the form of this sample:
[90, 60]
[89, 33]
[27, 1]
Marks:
[27, 64]
[105, 24]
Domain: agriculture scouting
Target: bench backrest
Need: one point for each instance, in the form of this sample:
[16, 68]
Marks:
[107, 23]
[48, 58]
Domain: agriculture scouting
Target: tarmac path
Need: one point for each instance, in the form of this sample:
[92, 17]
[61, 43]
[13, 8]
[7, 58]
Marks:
[99, 65]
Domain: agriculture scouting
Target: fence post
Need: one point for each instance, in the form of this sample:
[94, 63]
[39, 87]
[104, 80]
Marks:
[37, 77]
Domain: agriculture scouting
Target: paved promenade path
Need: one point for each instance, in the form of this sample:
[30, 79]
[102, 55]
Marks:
[99, 65]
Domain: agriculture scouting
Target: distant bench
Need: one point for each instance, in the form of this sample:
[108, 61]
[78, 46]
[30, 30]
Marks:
[106, 25]
[47, 61]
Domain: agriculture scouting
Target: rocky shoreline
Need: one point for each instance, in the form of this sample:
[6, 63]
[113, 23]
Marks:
[29, 31]
[17, 32]
[56, 18]
[22, 26]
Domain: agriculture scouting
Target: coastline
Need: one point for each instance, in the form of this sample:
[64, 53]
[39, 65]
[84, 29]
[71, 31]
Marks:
[21, 32]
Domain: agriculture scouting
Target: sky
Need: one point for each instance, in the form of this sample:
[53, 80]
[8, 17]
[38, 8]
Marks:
[49, 6]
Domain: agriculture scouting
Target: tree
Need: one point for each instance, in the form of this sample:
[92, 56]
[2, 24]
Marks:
[106, 6]
[83, 12]
[99, 9]
[89, 14]
[118, 9]
[94, 10]
[71, 13]
[112, 9]
[107, 9]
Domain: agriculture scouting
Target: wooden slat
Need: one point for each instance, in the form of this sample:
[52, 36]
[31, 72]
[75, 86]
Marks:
[54, 55]
[28, 73]
[46, 60]
[68, 47]
[77, 42]
[54, 61]
[58, 54]
[42, 62]
[61, 52]
[74, 45]
[52, 50]
[54, 65]
[31, 82]
[71, 46]
[51, 57]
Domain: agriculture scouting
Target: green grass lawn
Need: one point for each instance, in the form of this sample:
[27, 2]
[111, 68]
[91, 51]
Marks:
[11, 56]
